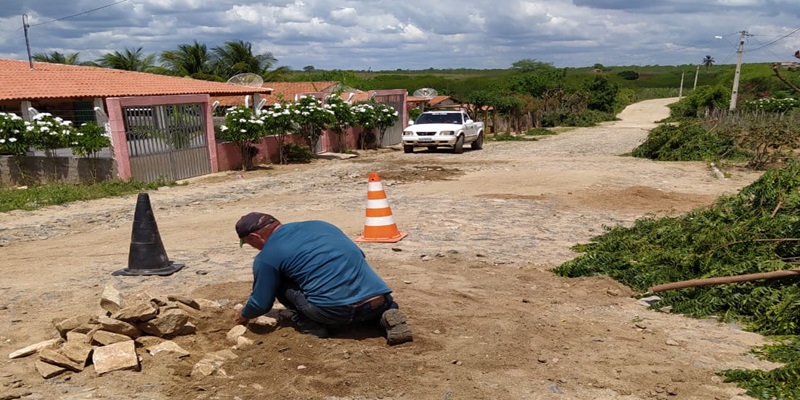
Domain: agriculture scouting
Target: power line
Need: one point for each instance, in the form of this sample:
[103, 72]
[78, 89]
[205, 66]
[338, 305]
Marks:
[80, 13]
[777, 40]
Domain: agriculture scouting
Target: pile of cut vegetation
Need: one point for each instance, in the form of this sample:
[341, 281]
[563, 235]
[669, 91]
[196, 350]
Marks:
[756, 230]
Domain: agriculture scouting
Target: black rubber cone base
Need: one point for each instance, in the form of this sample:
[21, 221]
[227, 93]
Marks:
[168, 270]
[147, 255]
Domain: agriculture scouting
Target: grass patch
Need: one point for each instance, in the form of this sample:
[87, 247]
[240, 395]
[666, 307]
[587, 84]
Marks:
[61, 193]
[509, 137]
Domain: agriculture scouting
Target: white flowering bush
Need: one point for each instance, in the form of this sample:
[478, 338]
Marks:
[373, 115]
[343, 117]
[244, 129]
[46, 132]
[279, 121]
[385, 117]
[12, 139]
[311, 118]
[88, 139]
[770, 104]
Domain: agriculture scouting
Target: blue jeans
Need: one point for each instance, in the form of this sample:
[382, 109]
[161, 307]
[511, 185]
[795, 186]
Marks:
[290, 295]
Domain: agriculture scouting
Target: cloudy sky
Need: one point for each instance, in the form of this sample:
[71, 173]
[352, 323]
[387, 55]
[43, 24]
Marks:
[415, 34]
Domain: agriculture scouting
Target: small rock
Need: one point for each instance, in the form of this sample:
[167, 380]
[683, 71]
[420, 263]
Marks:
[671, 342]
[235, 332]
[169, 348]
[111, 299]
[301, 367]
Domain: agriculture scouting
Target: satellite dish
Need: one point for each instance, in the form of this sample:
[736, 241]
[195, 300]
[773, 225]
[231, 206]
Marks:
[425, 93]
[248, 79]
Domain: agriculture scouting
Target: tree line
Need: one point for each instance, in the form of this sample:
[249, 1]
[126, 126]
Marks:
[195, 60]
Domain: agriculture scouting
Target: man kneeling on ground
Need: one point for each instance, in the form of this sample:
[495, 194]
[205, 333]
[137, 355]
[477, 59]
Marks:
[319, 274]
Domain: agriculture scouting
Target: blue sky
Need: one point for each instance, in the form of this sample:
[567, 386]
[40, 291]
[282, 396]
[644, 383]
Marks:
[416, 34]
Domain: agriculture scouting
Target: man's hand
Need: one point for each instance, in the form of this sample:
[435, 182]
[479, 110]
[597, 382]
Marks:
[240, 320]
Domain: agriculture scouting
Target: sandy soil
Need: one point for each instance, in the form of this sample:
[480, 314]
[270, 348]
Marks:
[490, 320]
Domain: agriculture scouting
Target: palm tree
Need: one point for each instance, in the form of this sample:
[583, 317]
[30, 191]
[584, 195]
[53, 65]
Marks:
[237, 57]
[708, 61]
[188, 59]
[57, 58]
[131, 60]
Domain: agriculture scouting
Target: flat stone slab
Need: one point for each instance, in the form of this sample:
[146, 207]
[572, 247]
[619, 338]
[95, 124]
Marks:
[47, 370]
[34, 348]
[168, 348]
[115, 357]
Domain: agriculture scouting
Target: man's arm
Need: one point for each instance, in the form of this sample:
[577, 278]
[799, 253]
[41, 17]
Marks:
[265, 283]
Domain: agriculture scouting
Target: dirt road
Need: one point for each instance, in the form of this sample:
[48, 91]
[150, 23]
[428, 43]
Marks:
[490, 320]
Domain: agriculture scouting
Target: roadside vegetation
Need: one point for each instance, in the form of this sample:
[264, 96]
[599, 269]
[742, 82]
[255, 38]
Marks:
[31, 198]
[757, 230]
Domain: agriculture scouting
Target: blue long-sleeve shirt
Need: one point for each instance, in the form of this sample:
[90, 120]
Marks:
[327, 266]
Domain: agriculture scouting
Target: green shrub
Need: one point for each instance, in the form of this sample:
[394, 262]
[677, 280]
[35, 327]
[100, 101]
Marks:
[685, 142]
[298, 153]
[582, 119]
[540, 132]
[628, 75]
[756, 230]
[700, 101]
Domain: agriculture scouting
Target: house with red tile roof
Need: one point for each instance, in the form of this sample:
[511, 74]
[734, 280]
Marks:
[159, 107]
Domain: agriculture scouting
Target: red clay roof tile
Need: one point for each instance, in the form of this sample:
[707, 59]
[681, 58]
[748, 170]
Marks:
[45, 80]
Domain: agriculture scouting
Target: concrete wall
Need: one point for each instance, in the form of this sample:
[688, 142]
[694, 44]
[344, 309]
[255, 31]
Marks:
[57, 169]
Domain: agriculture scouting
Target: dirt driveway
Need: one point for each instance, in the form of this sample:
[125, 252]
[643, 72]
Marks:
[484, 228]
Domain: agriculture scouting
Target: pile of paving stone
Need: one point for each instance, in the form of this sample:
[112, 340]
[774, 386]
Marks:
[109, 342]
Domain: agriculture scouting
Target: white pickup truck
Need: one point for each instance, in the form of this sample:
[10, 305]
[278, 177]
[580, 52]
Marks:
[433, 129]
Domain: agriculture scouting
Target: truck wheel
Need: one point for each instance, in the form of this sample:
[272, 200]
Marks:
[459, 146]
[478, 143]
[407, 148]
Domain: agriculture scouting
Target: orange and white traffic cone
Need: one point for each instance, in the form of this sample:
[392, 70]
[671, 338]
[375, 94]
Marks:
[379, 226]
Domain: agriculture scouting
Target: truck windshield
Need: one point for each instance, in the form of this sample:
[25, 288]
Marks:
[439, 118]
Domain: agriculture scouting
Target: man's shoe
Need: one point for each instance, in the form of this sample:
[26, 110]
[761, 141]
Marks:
[397, 329]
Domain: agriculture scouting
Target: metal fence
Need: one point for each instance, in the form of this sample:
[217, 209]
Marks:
[167, 141]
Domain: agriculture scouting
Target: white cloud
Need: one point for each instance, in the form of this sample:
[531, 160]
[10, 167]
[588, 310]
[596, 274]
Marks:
[387, 34]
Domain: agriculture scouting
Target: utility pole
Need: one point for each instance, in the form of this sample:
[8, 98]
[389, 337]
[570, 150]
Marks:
[680, 92]
[697, 72]
[735, 91]
[27, 43]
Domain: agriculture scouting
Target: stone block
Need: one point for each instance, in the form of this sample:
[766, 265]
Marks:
[139, 312]
[105, 338]
[77, 351]
[115, 357]
[65, 325]
[57, 358]
[205, 304]
[36, 347]
[111, 299]
[185, 300]
[168, 348]
[168, 323]
[118, 326]
[47, 370]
